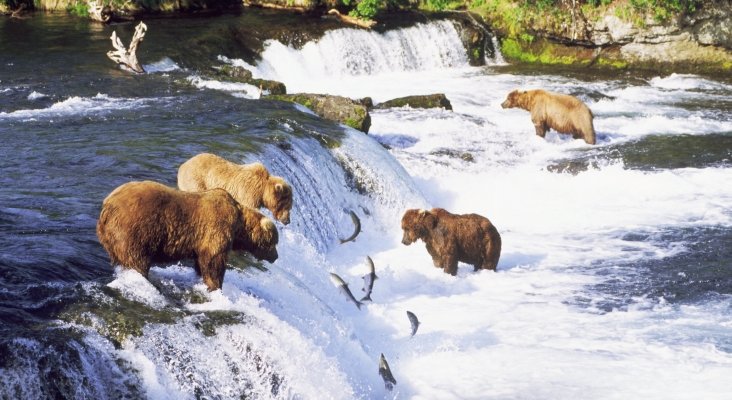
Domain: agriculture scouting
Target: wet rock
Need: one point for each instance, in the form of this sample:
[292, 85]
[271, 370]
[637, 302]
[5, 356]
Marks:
[335, 108]
[243, 75]
[438, 100]
[452, 153]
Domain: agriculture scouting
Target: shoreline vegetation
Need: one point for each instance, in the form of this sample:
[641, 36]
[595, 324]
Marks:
[662, 35]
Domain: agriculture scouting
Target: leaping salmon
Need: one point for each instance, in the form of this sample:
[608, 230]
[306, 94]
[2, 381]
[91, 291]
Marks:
[343, 287]
[357, 230]
[368, 280]
[413, 321]
[386, 374]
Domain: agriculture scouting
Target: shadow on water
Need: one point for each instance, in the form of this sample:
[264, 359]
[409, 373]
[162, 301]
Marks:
[697, 272]
[654, 152]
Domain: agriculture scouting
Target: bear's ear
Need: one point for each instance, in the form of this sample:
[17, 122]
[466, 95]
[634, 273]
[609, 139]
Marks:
[430, 219]
[269, 230]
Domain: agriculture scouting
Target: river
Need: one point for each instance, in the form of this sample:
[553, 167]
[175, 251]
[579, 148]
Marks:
[615, 278]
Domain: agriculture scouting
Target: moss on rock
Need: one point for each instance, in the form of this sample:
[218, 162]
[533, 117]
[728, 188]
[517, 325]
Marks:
[340, 109]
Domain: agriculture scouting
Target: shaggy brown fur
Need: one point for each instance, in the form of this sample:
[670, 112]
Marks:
[146, 222]
[250, 184]
[469, 238]
[561, 112]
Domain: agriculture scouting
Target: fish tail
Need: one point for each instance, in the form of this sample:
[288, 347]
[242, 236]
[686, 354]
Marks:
[367, 297]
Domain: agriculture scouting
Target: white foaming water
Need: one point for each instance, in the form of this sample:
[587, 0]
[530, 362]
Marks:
[99, 104]
[164, 65]
[243, 90]
[349, 52]
[510, 334]
[36, 95]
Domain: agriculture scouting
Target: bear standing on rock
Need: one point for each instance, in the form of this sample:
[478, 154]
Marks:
[250, 184]
[146, 222]
[561, 112]
[469, 238]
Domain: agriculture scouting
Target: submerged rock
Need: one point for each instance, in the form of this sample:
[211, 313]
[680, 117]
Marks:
[437, 100]
[243, 75]
[335, 108]
[452, 153]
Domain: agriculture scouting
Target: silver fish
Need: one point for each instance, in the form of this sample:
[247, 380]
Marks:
[368, 280]
[343, 286]
[413, 321]
[385, 373]
[357, 230]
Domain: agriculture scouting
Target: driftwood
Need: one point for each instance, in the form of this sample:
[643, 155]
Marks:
[99, 12]
[363, 23]
[124, 57]
[18, 12]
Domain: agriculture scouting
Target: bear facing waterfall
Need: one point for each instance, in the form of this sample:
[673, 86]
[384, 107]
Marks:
[468, 238]
[146, 222]
[249, 184]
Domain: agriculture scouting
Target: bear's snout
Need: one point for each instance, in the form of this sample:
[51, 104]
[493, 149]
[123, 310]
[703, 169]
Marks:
[284, 217]
[506, 104]
[271, 256]
[406, 239]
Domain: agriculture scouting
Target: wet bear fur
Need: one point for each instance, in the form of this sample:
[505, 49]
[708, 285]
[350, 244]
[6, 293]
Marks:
[142, 223]
[563, 113]
[468, 238]
[250, 184]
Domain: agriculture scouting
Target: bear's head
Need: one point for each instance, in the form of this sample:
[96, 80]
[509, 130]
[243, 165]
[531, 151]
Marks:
[417, 224]
[259, 236]
[278, 199]
[513, 99]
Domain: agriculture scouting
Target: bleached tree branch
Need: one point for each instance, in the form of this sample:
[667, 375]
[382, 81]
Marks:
[126, 57]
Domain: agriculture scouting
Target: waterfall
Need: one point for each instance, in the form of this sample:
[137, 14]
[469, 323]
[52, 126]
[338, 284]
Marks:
[326, 184]
[356, 52]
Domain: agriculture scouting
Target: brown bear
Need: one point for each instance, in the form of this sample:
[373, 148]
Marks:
[561, 112]
[250, 184]
[146, 222]
[469, 238]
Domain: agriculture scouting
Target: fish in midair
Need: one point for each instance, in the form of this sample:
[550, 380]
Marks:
[413, 321]
[368, 280]
[343, 286]
[357, 229]
[385, 373]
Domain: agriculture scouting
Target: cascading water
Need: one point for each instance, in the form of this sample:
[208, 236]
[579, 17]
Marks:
[616, 268]
[352, 52]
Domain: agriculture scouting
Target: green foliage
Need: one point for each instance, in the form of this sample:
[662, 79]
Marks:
[437, 5]
[367, 9]
[79, 8]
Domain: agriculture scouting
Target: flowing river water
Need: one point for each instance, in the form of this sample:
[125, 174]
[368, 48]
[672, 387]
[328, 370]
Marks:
[615, 278]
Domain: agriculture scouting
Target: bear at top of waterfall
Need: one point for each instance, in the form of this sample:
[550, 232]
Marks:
[468, 238]
[561, 112]
[249, 184]
[146, 222]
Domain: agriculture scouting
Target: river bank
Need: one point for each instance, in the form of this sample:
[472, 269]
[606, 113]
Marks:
[612, 35]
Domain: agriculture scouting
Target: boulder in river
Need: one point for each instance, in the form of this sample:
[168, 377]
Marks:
[243, 75]
[437, 100]
[335, 108]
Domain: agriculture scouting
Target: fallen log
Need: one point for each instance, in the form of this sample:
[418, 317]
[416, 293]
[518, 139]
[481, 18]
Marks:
[124, 57]
[363, 23]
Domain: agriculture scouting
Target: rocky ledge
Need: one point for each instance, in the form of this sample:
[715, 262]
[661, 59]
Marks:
[698, 42]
